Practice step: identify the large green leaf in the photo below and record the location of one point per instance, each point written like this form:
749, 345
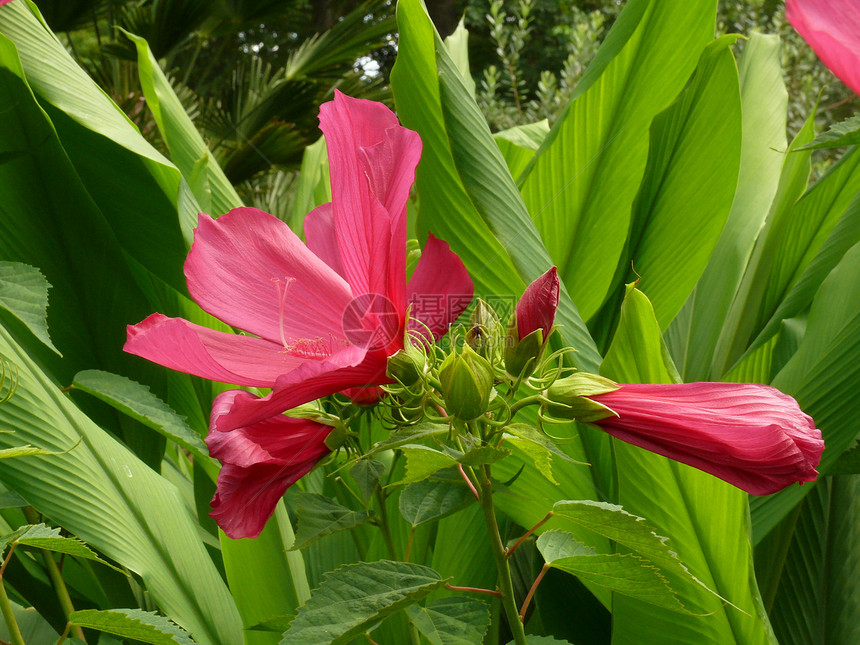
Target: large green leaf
689, 183
266, 578
810, 223
135, 187
823, 376
741, 321
704, 518
583, 181
818, 599
467, 196
452, 621
103, 494
693, 336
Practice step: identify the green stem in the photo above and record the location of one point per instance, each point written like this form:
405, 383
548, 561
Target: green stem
56, 579
9, 617
528, 400
383, 525
506, 586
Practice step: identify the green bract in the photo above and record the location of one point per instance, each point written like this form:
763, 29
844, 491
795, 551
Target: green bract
567, 397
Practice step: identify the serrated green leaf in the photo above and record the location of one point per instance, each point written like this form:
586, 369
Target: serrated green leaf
846, 133
44, 537
138, 402
24, 294
624, 573
319, 516
144, 626
355, 597
480, 455
531, 639
452, 621
537, 447
433, 499
421, 462
613, 522
366, 473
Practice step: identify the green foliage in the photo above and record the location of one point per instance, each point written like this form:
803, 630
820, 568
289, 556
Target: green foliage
451, 621
352, 599
24, 294
142, 626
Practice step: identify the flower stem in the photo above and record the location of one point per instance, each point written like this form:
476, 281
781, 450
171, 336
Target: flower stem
528, 400
528, 533
532, 591
383, 525
489, 592
506, 586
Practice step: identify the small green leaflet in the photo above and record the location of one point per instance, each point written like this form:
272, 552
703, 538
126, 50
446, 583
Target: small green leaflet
846, 133
537, 446
355, 597
24, 294
143, 626
366, 473
410, 434
40, 536
138, 402
319, 516
452, 621
624, 573
433, 499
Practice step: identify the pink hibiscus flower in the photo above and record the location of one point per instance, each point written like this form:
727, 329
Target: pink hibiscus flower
832, 29
752, 436
323, 317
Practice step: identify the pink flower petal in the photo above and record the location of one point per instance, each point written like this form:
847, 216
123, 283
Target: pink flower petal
752, 436
251, 271
353, 367
536, 308
321, 238
832, 29
217, 356
372, 160
259, 463
440, 289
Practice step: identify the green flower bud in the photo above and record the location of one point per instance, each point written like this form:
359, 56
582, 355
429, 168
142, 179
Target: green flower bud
407, 366
485, 332
568, 397
467, 382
